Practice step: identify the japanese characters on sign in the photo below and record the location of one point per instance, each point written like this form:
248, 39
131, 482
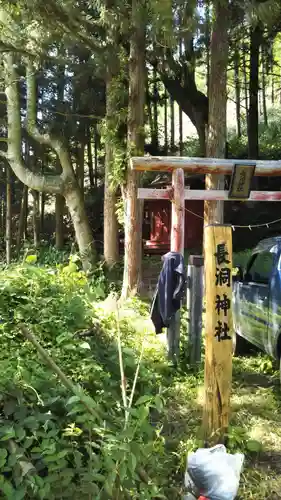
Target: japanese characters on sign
241, 179
223, 296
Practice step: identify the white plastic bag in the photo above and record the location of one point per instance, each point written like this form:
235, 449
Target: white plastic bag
214, 472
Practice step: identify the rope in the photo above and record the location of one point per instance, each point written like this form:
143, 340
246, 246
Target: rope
249, 226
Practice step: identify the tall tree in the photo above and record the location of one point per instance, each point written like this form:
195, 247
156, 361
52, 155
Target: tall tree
111, 240
65, 183
213, 417
8, 215
216, 140
172, 124
237, 89
253, 116
133, 225
59, 199
263, 69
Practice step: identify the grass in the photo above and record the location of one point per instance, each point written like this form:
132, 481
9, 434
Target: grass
256, 405
255, 417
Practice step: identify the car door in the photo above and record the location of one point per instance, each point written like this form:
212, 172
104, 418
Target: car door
254, 295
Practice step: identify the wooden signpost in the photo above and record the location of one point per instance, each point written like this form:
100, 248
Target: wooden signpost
217, 260
218, 331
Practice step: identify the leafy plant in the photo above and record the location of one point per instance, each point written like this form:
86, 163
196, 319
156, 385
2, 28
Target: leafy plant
51, 446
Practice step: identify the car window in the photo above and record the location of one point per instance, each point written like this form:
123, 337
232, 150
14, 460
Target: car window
261, 267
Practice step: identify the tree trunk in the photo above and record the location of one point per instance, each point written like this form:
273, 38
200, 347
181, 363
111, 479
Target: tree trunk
213, 210
25, 221
166, 123
180, 132
2, 200
180, 110
245, 81
60, 204
76, 206
172, 124
8, 216
272, 76
237, 90
22, 227
42, 213
133, 224
253, 120
22, 218
207, 35
214, 418
264, 89
80, 173
96, 141
111, 241
90, 157
155, 110
149, 113
36, 219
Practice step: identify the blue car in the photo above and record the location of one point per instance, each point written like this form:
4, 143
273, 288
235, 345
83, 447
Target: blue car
257, 299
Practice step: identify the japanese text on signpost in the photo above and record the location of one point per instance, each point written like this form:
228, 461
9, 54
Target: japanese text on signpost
218, 328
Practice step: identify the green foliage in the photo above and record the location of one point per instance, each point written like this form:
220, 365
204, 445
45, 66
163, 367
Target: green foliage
50, 446
191, 147
120, 211
238, 440
269, 139
114, 126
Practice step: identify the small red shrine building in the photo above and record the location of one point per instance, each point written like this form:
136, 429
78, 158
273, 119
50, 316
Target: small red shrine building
157, 226
157, 222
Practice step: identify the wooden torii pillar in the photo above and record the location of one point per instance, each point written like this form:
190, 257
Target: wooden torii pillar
218, 268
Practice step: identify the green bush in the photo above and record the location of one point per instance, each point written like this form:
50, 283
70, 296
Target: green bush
51, 446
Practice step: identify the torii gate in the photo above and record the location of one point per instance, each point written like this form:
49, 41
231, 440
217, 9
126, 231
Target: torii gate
217, 261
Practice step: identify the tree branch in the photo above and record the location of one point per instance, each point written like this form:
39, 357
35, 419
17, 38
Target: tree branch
193, 102
32, 129
39, 182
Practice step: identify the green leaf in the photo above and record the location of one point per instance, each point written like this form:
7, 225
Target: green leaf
9, 407
8, 490
3, 453
85, 345
254, 446
28, 442
3, 457
158, 403
31, 259
26, 467
132, 462
20, 493
98, 477
123, 471
20, 433
9, 433
73, 399
143, 399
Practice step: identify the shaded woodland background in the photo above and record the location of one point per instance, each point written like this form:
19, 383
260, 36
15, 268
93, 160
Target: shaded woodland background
111, 79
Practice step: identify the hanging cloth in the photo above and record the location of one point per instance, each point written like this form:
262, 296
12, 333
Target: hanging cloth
170, 291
